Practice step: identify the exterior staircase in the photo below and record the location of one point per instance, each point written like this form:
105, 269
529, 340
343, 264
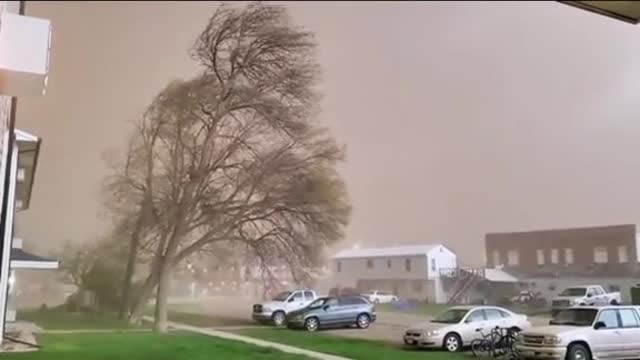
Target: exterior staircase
464, 280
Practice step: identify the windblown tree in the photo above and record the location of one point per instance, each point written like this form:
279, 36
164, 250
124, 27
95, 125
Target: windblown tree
234, 156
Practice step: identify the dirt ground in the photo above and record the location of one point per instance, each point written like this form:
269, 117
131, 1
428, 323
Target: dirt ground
389, 326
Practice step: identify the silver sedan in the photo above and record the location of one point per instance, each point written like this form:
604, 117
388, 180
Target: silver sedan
458, 326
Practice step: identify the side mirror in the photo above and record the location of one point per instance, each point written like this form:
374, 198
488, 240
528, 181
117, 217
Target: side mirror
551, 322
589, 295
599, 325
478, 330
291, 300
326, 307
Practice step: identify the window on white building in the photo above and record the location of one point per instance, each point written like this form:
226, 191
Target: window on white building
433, 265
600, 255
540, 256
389, 264
369, 264
513, 258
339, 266
623, 257
407, 264
555, 256
568, 256
496, 258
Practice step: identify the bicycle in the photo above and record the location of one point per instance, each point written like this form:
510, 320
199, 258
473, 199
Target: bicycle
486, 345
497, 344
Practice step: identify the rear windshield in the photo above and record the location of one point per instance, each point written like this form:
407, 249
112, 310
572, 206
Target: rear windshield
574, 292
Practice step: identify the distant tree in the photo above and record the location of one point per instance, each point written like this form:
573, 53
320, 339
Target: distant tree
234, 156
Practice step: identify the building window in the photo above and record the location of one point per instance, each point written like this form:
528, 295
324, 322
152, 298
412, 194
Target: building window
555, 256
623, 257
568, 256
600, 255
388, 264
540, 256
407, 264
433, 265
496, 258
513, 258
369, 264
339, 266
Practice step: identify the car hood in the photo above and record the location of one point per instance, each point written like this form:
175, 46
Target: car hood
556, 330
429, 326
272, 304
298, 312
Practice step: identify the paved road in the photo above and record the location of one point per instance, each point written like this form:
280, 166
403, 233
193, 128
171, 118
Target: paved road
389, 327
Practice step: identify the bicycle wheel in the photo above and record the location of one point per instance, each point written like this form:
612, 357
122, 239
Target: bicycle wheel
480, 347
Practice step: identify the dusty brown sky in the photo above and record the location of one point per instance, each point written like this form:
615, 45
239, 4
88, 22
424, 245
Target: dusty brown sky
461, 118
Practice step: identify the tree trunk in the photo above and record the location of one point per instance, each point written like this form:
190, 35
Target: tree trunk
125, 305
160, 324
137, 309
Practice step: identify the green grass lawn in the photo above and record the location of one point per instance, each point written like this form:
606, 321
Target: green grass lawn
146, 346
190, 314
347, 347
204, 320
59, 319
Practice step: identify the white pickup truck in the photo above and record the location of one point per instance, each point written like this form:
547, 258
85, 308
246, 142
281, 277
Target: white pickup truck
584, 295
585, 333
276, 310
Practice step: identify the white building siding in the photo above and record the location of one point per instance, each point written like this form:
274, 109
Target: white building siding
440, 258
349, 271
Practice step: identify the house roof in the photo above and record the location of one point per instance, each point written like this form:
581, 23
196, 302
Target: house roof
409, 250
21, 259
497, 275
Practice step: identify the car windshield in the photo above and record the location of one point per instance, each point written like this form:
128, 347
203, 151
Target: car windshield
282, 296
451, 316
574, 292
575, 317
318, 303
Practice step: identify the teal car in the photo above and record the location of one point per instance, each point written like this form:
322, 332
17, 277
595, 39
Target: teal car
333, 312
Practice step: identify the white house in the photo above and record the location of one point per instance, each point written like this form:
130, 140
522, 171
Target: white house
411, 272
25, 44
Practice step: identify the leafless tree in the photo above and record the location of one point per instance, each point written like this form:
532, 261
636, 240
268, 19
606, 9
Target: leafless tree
235, 156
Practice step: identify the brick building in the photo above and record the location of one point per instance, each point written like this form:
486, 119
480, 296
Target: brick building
594, 251
550, 260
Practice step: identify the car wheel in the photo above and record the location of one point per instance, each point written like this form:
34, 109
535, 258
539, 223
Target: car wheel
278, 318
579, 352
312, 324
363, 321
614, 302
452, 343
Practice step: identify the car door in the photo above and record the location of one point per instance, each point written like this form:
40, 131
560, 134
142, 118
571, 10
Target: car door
330, 312
629, 332
600, 296
474, 321
493, 319
295, 301
309, 297
607, 342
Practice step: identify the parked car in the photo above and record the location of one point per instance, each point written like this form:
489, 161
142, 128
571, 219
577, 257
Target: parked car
528, 298
587, 295
380, 297
326, 312
458, 326
276, 311
585, 333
